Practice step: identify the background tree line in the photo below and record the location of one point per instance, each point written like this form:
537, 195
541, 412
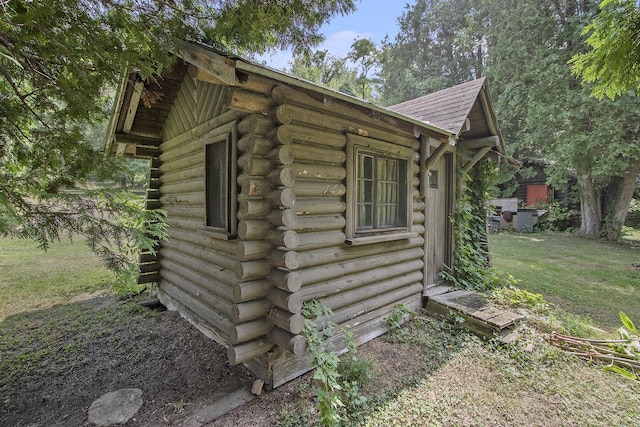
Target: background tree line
526, 49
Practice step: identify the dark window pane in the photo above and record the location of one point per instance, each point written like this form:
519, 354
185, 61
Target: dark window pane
217, 184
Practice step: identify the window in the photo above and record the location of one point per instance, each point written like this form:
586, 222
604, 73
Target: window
433, 179
220, 187
377, 189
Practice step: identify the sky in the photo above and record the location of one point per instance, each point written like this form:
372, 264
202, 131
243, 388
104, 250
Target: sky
372, 19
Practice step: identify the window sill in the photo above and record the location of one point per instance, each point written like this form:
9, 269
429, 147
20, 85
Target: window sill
217, 234
380, 238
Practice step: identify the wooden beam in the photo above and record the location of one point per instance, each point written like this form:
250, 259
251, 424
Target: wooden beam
435, 156
487, 141
217, 67
479, 155
127, 138
132, 108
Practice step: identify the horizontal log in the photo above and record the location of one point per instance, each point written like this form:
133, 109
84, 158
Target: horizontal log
283, 217
248, 291
205, 283
339, 267
219, 276
152, 277
286, 280
196, 144
220, 124
250, 310
319, 206
249, 270
190, 224
242, 353
282, 197
418, 228
296, 344
325, 256
281, 115
202, 239
195, 198
279, 95
350, 123
147, 257
253, 208
283, 238
185, 212
210, 316
252, 165
311, 223
302, 152
190, 160
282, 176
183, 187
320, 189
152, 204
322, 137
253, 229
221, 259
183, 175
310, 171
356, 295
290, 302
394, 276
245, 101
153, 194
253, 144
284, 259
148, 267
281, 135
281, 155
320, 239
197, 293
352, 311
255, 124
418, 206
254, 186
252, 250
417, 217
293, 323
244, 332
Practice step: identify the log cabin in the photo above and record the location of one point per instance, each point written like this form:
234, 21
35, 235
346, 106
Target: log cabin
279, 191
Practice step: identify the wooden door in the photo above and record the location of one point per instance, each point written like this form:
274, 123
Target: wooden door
439, 208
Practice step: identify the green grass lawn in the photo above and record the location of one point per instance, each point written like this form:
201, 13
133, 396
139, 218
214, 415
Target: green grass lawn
32, 279
585, 277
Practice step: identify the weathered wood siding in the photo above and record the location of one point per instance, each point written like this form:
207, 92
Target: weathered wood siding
248, 292
361, 284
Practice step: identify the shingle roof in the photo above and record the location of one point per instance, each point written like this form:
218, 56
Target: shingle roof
446, 109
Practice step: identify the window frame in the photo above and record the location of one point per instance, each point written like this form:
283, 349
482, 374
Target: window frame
230, 230
357, 145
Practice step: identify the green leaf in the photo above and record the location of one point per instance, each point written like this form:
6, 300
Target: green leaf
628, 323
621, 371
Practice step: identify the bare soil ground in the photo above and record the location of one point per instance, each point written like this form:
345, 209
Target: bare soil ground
55, 362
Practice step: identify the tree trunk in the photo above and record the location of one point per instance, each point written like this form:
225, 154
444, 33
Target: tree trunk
590, 206
619, 195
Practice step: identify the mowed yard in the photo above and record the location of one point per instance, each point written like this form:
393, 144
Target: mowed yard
428, 372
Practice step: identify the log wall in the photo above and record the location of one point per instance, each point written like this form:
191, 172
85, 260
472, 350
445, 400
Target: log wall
248, 292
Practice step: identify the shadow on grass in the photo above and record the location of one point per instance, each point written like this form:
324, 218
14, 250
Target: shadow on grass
55, 362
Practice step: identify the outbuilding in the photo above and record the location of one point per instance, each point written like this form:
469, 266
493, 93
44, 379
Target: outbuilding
279, 191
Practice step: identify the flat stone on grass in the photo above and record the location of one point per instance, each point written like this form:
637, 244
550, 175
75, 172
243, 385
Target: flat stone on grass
115, 407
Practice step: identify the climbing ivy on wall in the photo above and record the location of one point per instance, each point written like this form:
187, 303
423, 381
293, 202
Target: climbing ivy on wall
471, 269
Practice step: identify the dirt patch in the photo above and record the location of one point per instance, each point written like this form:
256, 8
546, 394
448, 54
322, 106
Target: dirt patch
54, 363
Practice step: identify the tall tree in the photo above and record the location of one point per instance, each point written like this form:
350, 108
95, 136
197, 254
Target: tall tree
367, 58
58, 57
546, 113
613, 60
440, 43
326, 69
